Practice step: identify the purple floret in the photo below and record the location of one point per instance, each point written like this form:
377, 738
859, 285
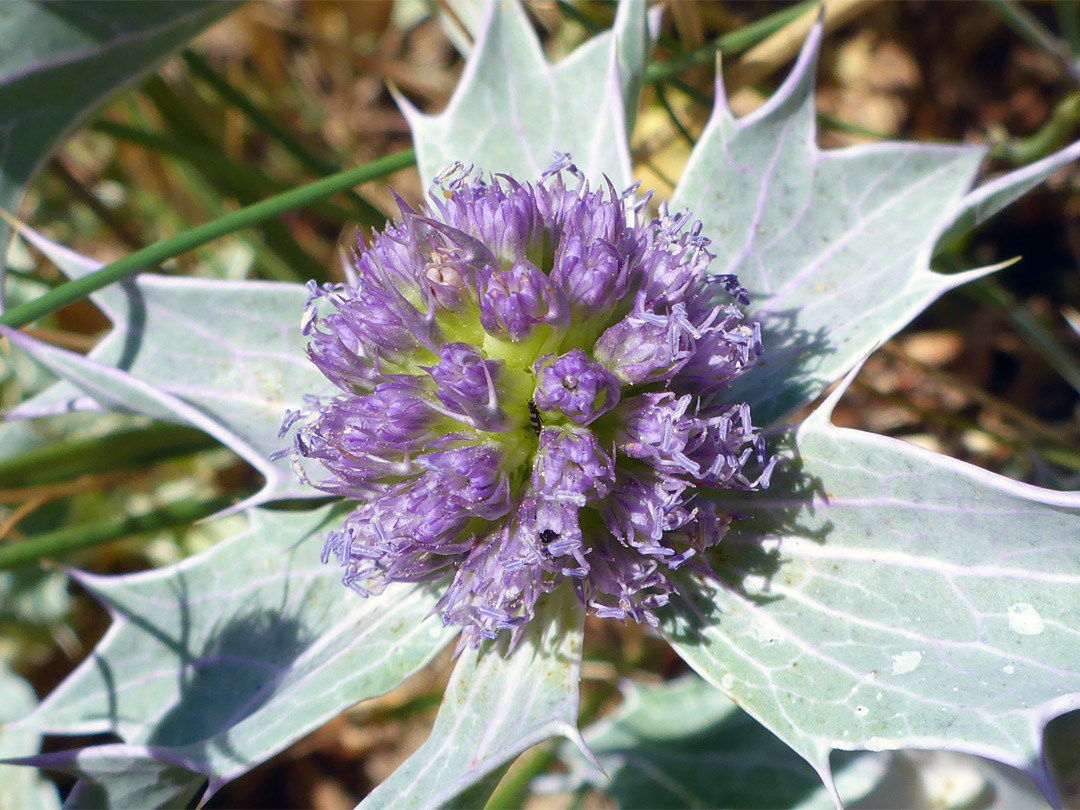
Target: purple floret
532, 384
575, 386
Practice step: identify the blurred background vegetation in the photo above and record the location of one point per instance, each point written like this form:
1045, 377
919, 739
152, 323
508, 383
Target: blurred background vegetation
279, 94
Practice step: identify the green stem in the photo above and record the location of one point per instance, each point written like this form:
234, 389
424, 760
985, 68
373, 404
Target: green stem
180, 119
369, 214
158, 252
206, 195
479, 795
728, 45
101, 454
513, 791
1059, 129
574, 13
74, 538
662, 98
213, 160
691, 92
826, 121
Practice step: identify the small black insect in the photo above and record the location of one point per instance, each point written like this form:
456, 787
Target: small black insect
535, 422
547, 535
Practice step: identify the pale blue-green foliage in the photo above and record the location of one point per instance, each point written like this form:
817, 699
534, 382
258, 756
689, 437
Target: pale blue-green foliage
60, 60
20, 787
834, 247
170, 335
878, 597
884, 597
114, 775
495, 707
513, 109
219, 662
684, 744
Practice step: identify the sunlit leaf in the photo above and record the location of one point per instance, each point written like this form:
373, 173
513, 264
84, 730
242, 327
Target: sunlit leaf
220, 661
884, 597
833, 246
513, 109
20, 787
684, 744
495, 707
225, 357
118, 776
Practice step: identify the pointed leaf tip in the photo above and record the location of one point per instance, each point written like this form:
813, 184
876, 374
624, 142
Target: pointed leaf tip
880, 597
300, 649
832, 246
225, 357
495, 707
508, 86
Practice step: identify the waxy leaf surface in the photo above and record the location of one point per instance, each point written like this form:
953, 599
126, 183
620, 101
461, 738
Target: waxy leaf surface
220, 661
884, 597
513, 109
683, 744
123, 776
223, 356
495, 707
833, 246
61, 60
879, 597
20, 787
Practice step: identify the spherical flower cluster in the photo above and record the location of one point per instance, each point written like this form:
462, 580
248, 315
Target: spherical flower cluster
530, 381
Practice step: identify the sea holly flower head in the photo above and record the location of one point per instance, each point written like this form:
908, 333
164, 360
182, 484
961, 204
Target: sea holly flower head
540, 388
531, 380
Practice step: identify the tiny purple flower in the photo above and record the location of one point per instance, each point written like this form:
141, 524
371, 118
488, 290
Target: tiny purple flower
465, 386
570, 466
575, 386
530, 382
514, 302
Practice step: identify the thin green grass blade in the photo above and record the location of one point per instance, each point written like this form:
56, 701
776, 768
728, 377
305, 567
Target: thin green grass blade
101, 454
728, 45
368, 213
196, 237
74, 538
181, 119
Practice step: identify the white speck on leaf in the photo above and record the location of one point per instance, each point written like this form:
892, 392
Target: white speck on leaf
1025, 620
906, 661
1008, 669
727, 681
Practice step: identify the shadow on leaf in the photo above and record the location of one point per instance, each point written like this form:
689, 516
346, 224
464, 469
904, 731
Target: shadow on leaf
785, 378
748, 560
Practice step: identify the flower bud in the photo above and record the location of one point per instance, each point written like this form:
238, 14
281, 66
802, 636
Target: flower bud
575, 386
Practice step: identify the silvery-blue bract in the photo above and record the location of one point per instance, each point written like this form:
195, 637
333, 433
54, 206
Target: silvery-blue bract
874, 598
